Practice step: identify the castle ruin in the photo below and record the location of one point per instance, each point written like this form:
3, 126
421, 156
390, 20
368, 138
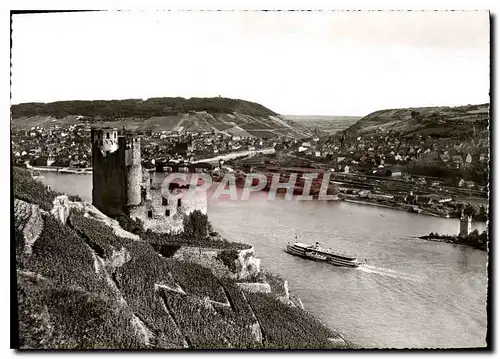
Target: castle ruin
164, 206
121, 187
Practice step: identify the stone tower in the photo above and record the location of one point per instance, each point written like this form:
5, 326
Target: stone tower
116, 171
465, 225
133, 169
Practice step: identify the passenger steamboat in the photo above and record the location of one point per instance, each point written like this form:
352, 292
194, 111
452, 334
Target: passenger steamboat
315, 252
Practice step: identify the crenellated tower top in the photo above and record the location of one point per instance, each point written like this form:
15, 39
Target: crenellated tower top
106, 139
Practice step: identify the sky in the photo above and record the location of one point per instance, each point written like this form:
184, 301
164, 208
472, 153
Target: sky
296, 63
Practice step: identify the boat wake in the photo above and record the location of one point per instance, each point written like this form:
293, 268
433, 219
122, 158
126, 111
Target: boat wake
389, 272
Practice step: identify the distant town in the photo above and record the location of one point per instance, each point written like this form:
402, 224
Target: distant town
377, 169
69, 147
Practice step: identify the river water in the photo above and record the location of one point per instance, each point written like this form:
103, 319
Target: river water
411, 294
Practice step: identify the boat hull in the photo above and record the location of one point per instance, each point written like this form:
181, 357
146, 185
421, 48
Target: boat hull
329, 260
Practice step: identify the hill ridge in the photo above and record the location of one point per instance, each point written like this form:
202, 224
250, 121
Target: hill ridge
155, 106
438, 121
240, 117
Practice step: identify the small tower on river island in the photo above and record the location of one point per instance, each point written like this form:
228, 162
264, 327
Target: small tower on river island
465, 224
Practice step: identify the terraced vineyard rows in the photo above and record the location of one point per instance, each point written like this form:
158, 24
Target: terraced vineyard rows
288, 327
99, 237
197, 280
61, 255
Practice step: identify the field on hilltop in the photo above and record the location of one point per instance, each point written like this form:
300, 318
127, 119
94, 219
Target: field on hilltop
242, 118
326, 124
443, 122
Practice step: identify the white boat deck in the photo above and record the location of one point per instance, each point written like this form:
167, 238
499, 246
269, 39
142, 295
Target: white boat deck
324, 250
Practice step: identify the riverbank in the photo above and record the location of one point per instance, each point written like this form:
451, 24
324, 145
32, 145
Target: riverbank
474, 240
72, 170
408, 208
396, 207
234, 155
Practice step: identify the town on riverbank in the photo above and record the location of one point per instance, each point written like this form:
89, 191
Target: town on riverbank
422, 175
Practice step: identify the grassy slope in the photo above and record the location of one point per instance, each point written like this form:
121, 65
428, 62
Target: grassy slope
262, 127
67, 300
53, 316
28, 190
434, 121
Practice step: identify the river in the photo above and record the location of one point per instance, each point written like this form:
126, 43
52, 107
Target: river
411, 294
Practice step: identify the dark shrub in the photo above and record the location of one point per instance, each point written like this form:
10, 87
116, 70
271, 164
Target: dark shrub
130, 225
228, 257
196, 226
166, 250
27, 189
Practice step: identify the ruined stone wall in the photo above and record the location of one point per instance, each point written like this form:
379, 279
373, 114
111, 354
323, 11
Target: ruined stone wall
109, 188
255, 287
166, 213
156, 216
247, 263
146, 186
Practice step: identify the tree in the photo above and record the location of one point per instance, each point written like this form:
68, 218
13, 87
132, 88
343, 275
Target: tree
196, 226
474, 233
468, 209
483, 212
